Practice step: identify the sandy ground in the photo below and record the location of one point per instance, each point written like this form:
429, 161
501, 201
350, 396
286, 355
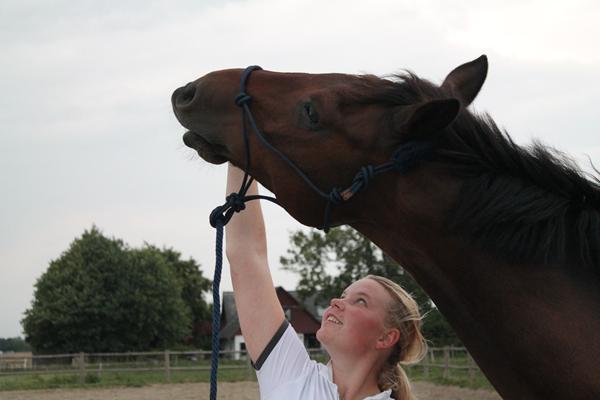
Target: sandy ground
226, 391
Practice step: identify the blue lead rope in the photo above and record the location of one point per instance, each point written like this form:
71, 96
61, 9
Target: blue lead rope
403, 159
216, 324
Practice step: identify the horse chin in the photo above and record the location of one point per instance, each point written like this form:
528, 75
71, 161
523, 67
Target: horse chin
302, 211
206, 150
212, 158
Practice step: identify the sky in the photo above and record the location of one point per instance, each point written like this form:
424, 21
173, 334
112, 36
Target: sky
87, 134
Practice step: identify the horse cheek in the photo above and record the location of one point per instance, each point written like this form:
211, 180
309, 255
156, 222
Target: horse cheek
303, 206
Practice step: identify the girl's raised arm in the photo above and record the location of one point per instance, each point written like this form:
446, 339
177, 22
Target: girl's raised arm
258, 308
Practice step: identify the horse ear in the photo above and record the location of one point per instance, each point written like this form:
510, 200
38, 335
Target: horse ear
422, 120
466, 80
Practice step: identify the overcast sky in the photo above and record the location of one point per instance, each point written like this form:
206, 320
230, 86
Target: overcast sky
88, 136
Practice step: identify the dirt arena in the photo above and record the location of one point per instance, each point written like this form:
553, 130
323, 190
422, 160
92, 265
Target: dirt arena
227, 391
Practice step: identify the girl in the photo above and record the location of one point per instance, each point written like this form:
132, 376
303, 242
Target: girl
372, 327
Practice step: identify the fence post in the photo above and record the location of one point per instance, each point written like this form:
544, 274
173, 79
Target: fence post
167, 366
446, 362
250, 376
81, 363
471, 369
427, 362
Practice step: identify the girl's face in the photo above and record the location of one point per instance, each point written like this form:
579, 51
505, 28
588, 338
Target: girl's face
355, 322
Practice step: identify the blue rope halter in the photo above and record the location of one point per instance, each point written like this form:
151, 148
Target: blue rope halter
403, 159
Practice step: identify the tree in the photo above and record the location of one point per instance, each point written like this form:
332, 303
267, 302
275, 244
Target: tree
102, 296
193, 286
328, 263
14, 344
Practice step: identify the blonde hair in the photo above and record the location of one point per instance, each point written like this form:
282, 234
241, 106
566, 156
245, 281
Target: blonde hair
403, 315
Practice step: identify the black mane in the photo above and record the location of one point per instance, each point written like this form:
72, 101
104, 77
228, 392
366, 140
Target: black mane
524, 205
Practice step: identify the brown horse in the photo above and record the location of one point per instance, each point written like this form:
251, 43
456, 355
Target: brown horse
505, 239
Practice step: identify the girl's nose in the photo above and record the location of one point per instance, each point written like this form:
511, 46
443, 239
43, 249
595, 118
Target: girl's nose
337, 303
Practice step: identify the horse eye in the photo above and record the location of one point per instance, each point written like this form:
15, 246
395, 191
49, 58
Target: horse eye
311, 113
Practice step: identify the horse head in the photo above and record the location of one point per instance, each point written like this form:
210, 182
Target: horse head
330, 125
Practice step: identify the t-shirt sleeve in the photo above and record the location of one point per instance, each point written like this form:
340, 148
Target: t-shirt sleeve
284, 359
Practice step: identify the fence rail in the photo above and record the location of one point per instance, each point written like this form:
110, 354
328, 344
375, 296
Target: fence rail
84, 364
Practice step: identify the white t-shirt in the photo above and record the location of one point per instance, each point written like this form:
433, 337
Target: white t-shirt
285, 372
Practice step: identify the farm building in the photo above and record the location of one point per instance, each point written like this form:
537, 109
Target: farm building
15, 360
305, 317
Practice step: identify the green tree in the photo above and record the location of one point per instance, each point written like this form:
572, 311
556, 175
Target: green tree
193, 286
102, 296
328, 263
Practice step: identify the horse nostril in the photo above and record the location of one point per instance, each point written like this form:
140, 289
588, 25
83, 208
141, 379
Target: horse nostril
186, 95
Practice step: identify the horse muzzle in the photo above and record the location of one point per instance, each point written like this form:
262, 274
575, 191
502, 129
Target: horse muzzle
194, 107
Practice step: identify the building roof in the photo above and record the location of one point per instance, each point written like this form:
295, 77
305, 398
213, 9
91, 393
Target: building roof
304, 316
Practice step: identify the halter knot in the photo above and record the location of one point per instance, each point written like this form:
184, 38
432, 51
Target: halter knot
335, 196
242, 98
216, 217
222, 214
236, 202
362, 178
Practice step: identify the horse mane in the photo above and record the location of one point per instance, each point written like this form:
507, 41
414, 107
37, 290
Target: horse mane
522, 204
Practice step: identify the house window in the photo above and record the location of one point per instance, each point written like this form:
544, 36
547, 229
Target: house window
241, 353
321, 311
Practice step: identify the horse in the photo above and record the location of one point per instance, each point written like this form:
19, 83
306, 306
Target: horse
505, 239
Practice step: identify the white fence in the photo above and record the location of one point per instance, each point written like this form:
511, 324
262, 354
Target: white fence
446, 359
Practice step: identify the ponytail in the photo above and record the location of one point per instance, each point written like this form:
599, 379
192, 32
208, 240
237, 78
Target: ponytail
393, 377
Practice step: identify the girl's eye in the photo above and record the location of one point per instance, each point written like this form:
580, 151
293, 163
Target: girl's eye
311, 113
360, 299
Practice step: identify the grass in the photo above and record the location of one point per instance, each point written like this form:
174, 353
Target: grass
108, 378
454, 377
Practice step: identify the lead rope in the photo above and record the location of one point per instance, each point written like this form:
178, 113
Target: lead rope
403, 159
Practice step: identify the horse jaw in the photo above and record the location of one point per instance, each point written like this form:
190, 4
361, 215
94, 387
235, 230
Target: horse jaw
305, 207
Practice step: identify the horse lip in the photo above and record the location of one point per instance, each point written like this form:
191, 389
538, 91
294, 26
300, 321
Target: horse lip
196, 140
208, 151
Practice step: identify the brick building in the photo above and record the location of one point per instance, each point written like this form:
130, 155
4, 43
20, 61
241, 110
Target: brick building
304, 316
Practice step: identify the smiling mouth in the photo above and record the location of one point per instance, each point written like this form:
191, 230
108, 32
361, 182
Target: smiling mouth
208, 151
334, 320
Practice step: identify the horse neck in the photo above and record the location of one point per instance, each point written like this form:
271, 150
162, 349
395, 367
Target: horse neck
512, 318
